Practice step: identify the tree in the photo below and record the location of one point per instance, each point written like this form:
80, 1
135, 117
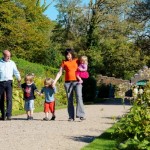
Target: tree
110, 31
102, 31
141, 15
25, 30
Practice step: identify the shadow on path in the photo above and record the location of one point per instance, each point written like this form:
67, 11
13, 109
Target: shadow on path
116, 101
86, 139
20, 119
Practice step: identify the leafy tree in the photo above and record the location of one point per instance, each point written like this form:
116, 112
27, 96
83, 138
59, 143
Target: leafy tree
109, 30
69, 12
25, 30
141, 15
120, 60
102, 31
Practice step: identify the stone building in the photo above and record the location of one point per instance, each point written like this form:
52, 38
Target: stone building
123, 88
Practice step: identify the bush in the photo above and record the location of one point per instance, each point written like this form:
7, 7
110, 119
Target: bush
103, 91
134, 129
38, 69
89, 89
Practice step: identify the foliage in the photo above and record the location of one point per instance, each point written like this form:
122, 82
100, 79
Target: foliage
95, 59
140, 16
54, 56
61, 95
121, 56
89, 89
97, 29
102, 31
25, 30
133, 130
113, 34
103, 91
38, 69
69, 12
104, 142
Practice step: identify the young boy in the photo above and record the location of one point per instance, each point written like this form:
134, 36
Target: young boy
28, 95
49, 105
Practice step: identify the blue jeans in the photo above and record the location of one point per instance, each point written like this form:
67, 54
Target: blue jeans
29, 105
6, 90
71, 87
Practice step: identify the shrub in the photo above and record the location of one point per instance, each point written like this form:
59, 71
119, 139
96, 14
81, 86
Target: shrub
89, 89
103, 91
134, 129
38, 69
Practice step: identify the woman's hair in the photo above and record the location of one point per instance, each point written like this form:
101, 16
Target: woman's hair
48, 82
29, 77
71, 51
85, 59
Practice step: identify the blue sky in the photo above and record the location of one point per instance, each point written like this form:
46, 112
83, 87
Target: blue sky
52, 13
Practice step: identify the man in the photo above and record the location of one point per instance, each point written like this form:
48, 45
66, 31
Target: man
7, 70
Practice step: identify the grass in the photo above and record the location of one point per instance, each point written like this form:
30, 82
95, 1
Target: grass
103, 142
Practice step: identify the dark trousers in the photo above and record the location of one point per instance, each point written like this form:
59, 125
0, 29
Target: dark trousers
6, 92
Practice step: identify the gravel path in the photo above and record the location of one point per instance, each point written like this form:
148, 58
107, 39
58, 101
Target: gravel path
21, 134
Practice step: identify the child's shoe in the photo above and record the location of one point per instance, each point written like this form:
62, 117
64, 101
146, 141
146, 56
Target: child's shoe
31, 118
28, 117
53, 117
45, 119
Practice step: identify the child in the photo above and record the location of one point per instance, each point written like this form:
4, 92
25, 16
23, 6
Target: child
82, 69
28, 95
49, 105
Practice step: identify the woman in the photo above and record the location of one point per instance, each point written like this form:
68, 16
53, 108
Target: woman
70, 65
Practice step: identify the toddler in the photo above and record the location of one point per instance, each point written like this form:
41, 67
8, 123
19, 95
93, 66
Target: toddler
28, 95
82, 69
49, 105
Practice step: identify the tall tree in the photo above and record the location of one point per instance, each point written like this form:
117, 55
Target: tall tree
69, 12
102, 31
25, 30
110, 30
141, 15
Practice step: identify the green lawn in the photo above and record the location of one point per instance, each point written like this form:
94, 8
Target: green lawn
103, 142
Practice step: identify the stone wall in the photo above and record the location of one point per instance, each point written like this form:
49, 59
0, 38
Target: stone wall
121, 86
107, 80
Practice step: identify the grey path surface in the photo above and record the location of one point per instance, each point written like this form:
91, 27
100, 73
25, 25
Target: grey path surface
21, 134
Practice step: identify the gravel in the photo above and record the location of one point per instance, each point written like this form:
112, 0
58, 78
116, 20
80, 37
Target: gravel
22, 134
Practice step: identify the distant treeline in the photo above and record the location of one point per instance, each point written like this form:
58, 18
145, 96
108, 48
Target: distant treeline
114, 35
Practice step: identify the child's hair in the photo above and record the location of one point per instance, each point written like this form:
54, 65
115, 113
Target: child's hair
29, 77
48, 82
85, 59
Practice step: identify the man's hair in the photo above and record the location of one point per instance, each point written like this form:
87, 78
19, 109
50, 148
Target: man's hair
71, 51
